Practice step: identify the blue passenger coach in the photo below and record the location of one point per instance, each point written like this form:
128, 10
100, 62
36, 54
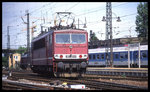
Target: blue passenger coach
97, 57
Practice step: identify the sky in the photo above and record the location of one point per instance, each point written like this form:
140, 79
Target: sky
14, 15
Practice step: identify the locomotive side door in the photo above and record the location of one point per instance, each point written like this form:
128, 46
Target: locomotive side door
47, 48
50, 49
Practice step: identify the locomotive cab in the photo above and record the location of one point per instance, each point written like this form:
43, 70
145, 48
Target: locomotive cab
70, 51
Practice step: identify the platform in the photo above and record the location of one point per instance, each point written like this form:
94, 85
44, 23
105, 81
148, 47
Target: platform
134, 72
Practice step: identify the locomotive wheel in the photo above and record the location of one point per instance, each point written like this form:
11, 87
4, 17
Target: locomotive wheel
56, 74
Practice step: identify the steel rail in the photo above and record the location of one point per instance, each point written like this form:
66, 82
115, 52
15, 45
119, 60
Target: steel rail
88, 76
90, 83
117, 85
26, 86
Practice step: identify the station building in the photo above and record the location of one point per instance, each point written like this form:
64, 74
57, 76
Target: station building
14, 60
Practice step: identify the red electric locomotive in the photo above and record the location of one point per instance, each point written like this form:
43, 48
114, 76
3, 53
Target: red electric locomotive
60, 52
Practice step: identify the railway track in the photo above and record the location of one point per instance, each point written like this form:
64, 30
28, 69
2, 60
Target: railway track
115, 77
114, 86
100, 85
90, 82
20, 86
88, 76
19, 82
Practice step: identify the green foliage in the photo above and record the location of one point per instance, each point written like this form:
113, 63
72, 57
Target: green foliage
4, 61
142, 20
94, 38
21, 50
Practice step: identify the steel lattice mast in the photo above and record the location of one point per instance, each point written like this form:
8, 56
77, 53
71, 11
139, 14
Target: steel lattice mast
108, 37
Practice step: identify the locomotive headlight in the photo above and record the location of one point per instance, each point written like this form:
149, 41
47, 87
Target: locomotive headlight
61, 56
80, 56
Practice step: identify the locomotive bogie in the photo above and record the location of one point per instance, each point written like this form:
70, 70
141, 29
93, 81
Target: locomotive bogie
72, 67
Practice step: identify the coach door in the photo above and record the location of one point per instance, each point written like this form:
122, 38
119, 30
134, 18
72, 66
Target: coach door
135, 57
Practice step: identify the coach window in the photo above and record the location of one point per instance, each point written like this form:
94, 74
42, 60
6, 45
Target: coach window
89, 56
116, 56
144, 55
102, 56
94, 56
98, 56
136, 54
126, 55
121, 55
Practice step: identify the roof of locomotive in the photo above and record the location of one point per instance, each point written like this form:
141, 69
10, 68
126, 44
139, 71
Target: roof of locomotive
71, 30
59, 31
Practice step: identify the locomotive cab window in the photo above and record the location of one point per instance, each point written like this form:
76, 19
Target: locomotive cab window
62, 38
78, 38
70, 38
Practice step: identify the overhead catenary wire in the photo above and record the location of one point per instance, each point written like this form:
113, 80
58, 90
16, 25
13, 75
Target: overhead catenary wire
128, 15
72, 6
68, 9
100, 9
45, 5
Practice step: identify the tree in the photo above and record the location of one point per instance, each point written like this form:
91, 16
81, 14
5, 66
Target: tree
94, 38
142, 20
4, 61
21, 50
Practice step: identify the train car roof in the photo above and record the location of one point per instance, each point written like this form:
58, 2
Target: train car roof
118, 49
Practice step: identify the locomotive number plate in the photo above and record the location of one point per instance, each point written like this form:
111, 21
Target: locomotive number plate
70, 56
